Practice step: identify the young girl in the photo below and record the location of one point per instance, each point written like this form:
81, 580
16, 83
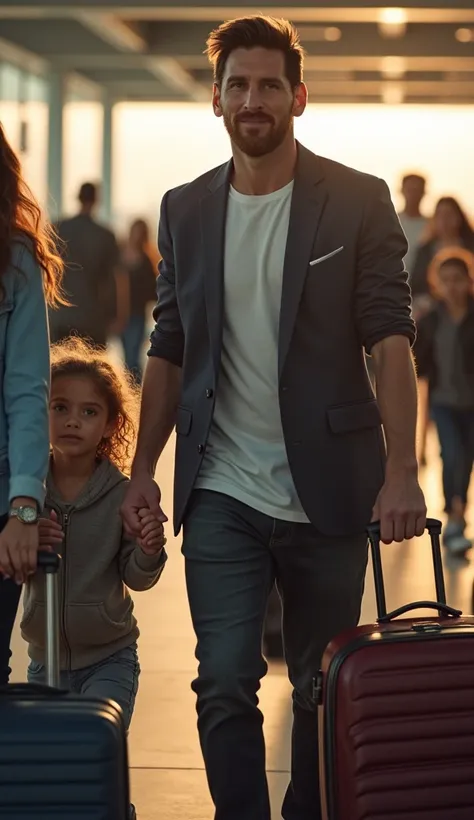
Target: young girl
92, 429
444, 354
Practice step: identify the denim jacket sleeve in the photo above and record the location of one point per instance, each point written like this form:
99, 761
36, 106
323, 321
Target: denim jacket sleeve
26, 380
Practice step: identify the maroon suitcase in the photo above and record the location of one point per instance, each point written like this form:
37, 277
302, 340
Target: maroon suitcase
397, 711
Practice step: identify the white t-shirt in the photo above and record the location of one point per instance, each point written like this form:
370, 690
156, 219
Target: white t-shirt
246, 455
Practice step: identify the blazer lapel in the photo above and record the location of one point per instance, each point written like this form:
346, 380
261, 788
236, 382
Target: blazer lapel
213, 210
307, 206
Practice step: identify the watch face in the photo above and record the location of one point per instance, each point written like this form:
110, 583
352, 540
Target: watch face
27, 514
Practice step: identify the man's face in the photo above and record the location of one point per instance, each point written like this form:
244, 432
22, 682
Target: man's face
256, 100
413, 191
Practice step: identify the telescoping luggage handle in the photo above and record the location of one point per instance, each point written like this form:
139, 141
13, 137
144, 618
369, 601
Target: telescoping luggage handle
434, 528
49, 563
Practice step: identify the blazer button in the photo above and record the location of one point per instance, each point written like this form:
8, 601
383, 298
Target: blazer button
200, 448
209, 393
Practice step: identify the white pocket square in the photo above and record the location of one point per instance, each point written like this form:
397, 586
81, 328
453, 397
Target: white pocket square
327, 256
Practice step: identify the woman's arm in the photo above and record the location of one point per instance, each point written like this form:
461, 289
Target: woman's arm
25, 396
26, 384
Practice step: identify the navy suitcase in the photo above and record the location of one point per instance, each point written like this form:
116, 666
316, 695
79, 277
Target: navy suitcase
62, 756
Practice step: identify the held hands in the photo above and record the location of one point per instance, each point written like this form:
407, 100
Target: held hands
152, 537
400, 507
143, 493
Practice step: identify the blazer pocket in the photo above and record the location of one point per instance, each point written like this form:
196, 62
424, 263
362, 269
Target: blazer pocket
326, 256
184, 420
347, 418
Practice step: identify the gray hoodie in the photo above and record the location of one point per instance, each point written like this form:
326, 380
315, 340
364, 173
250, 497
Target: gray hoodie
99, 562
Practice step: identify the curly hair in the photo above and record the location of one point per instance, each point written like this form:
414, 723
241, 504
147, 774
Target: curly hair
78, 357
20, 220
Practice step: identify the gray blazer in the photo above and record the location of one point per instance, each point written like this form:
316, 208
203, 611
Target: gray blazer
331, 312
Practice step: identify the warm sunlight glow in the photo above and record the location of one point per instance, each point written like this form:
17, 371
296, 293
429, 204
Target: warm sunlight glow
465, 35
393, 17
393, 93
392, 22
332, 34
393, 68
159, 146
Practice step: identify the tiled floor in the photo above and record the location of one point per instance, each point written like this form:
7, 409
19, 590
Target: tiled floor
168, 780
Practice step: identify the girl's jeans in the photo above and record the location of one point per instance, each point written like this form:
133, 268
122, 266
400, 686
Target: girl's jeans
116, 677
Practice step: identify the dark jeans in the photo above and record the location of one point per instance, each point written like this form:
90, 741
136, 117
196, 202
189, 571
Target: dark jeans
233, 554
9, 599
456, 436
132, 339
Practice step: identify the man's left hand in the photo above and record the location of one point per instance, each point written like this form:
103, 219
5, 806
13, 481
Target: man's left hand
400, 507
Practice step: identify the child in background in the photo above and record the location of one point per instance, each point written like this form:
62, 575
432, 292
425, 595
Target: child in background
444, 353
93, 410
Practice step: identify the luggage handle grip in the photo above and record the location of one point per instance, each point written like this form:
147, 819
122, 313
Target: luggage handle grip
48, 561
434, 528
443, 609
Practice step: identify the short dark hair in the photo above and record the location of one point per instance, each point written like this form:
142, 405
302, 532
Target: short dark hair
253, 32
88, 193
413, 178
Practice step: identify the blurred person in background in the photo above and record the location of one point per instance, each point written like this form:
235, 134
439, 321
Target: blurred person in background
449, 228
142, 289
444, 353
411, 219
94, 283
30, 277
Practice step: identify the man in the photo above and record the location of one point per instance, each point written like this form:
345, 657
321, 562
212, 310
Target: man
278, 269
411, 219
94, 284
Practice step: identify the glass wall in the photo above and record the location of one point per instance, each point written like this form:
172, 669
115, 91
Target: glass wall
82, 153
159, 146
24, 116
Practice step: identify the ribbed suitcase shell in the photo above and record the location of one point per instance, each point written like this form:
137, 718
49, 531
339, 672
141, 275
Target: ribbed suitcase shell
62, 757
397, 722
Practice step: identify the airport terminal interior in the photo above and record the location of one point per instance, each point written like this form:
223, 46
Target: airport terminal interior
118, 93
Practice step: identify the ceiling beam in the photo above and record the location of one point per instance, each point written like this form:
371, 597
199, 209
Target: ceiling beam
84, 88
178, 78
22, 58
412, 88
113, 30
199, 62
334, 92
349, 11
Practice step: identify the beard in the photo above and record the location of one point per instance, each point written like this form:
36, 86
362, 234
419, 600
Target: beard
257, 142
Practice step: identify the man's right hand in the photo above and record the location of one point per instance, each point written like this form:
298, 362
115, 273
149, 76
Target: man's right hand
142, 492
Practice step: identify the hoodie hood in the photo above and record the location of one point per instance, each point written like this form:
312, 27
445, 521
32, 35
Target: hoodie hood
105, 477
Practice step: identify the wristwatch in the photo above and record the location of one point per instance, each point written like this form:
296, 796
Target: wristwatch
27, 515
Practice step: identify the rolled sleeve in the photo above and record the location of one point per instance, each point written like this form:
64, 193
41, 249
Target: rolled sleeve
167, 338
383, 297
26, 383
